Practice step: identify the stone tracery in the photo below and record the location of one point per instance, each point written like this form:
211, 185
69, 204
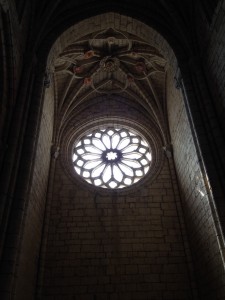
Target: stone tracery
112, 158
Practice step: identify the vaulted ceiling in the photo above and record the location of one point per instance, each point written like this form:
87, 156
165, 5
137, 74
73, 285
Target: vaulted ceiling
110, 62
112, 56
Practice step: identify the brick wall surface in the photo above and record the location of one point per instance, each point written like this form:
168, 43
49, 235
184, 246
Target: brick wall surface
114, 246
28, 262
208, 262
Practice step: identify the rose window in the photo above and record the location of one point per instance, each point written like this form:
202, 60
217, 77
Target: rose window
112, 158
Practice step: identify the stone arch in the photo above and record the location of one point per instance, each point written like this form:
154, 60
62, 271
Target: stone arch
76, 31
159, 42
43, 49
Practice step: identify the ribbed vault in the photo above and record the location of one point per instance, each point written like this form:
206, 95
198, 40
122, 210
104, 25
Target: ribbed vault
74, 67
120, 58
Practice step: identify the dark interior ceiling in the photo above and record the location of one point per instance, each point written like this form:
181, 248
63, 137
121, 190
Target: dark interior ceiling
112, 61
173, 19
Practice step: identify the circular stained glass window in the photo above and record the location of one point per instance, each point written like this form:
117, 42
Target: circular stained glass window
112, 158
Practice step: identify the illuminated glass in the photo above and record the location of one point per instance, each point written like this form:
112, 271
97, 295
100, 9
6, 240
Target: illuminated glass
111, 158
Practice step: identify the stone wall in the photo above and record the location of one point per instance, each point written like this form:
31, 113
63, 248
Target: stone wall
211, 34
115, 245
30, 245
197, 204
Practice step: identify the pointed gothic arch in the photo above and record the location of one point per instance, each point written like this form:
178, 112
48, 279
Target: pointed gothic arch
40, 112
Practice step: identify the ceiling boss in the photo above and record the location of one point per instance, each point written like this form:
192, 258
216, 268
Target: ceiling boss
112, 61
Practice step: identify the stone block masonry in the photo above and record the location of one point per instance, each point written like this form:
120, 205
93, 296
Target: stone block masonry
115, 246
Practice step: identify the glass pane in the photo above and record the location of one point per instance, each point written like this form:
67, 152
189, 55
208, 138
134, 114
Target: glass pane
110, 132
98, 144
144, 162
98, 182
86, 174
107, 174
80, 163
113, 184
87, 141
111, 155
98, 170
142, 150
135, 140
146, 169
149, 156
123, 143
93, 150
132, 163
118, 175
98, 135
80, 151
77, 170
78, 144
127, 181
74, 157
115, 140
106, 141
91, 156
132, 155
130, 148
121, 186
126, 170
92, 164
139, 173
123, 134
144, 143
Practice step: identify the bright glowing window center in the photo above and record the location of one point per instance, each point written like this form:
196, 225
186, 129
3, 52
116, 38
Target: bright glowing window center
112, 158
111, 155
